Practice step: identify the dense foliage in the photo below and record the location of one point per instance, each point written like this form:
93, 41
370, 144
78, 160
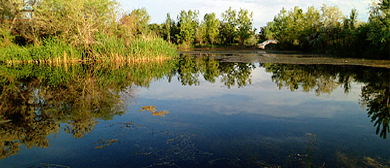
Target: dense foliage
328, 31
76, 30
73, 30
234, 28
321, 30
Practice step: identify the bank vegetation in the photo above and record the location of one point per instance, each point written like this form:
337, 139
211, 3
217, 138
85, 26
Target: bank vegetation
96, 30
76, 30
323, 29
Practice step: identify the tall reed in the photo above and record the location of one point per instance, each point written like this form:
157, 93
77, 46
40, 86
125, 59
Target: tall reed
105, 48
112, 48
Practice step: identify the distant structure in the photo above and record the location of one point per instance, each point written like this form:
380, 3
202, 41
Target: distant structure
263, 44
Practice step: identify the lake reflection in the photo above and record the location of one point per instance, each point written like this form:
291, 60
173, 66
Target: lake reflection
194, 112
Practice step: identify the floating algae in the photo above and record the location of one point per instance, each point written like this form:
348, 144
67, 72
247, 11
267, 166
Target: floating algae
148, 108
160, 113
154, 111
105, 143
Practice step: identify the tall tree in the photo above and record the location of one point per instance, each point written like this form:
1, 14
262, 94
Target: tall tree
287, 27
350, 23
228, 26
168, 22
201, 33
379, 21
277, 28
331, 16
244, 23
211, 27
312, 23
141, 17
74, 21
135, 23
188, 22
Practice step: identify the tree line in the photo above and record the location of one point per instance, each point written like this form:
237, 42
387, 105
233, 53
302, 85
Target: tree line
324, 30
235, 27
327, 30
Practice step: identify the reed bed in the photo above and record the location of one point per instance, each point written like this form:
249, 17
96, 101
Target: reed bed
104, 49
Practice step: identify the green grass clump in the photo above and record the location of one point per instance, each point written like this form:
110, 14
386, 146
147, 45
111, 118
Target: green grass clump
50, 50
151, 48
114, 49
14, 53
54, 50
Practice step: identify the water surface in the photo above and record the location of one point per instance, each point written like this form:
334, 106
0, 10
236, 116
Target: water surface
195, 112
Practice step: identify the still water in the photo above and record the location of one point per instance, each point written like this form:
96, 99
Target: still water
194, 112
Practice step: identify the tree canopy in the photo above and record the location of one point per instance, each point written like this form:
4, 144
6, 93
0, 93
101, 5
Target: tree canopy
327, 30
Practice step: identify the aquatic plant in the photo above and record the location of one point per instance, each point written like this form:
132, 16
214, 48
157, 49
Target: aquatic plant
106, 49
309, 149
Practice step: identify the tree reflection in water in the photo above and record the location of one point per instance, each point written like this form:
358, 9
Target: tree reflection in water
318, 78
189, 68
36, 99
375, 94
375, 97
321, 78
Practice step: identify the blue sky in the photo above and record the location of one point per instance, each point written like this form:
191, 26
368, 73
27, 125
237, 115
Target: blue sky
263, 10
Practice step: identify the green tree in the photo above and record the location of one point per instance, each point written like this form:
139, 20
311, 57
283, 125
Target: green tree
201, 33
244, 25
135, 23
157, 29
212, 27
287, 27
168, 25
296, 24
228, 26
311, 24
331, 16
74, 21
142, 18
188, 23
351, 22
379, 21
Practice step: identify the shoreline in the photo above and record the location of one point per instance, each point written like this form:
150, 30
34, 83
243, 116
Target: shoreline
284, 57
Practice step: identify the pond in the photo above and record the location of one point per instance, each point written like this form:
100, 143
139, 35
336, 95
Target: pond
221, 110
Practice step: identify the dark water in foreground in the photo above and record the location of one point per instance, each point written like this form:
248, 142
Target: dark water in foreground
194, 113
